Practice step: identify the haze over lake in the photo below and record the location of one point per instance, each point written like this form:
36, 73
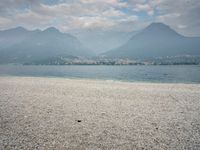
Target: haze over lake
162, 73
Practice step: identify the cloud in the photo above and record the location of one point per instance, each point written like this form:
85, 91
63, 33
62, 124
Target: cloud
182, 15
79, 14
4, 21
91, 22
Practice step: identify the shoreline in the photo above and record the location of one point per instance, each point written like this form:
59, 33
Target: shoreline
100, 79
63, 113
156, 74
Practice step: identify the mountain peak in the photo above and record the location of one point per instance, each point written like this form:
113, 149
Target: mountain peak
18, 29
51, 29
159, 29
158, 25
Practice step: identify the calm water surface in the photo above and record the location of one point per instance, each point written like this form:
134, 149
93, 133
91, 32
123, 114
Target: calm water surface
166, 74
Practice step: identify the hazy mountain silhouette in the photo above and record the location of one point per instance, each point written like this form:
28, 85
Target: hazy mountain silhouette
21, 45
100, 40
157, 40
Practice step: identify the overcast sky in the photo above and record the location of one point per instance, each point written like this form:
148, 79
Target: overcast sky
120, 15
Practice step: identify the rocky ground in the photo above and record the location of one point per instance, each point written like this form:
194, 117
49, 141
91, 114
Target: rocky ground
58, 113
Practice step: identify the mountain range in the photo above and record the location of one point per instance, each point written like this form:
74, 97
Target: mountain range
19, 45
157, 40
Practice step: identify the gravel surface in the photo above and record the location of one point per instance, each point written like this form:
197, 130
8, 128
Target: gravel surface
58, 113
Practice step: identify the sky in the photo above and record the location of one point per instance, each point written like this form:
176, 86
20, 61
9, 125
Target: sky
117, 15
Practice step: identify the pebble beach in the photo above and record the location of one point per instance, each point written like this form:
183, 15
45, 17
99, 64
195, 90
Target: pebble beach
82, 114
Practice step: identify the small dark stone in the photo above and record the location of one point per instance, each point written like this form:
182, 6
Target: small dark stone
78, 120
156, 128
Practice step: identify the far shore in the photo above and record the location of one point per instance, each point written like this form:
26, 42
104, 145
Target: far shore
60, 113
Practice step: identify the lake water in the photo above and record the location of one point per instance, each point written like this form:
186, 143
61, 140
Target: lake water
165, 74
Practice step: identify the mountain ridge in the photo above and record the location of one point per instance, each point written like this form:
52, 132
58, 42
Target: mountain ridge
18, 47
156, 40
